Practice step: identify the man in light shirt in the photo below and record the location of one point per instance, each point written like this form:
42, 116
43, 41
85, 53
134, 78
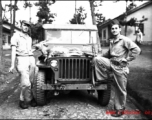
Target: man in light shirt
21, 44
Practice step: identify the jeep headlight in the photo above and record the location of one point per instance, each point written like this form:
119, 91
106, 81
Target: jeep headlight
54, 63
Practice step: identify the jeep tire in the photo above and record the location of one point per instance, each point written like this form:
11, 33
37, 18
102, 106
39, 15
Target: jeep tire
40, 95
104, 95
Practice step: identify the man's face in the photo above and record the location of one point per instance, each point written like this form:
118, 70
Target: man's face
115, 30
25, 27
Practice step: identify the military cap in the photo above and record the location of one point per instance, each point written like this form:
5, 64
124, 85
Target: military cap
115, 22
26, 22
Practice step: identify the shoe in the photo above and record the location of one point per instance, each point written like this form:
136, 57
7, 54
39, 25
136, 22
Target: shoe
33, 103
23, 104
118, 113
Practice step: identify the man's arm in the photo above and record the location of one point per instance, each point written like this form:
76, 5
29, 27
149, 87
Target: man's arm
133, 48
13, 57
13, 52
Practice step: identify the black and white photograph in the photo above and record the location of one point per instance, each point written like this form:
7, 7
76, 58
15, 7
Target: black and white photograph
76, 59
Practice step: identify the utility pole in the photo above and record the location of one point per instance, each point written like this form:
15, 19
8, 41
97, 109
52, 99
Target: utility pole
1, 38
126, 17
30, 14
92, 11
76, 11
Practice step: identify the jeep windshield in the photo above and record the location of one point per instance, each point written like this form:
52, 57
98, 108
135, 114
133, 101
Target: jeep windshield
70, 37
70, 34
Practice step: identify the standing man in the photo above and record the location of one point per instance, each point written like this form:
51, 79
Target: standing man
122, 50
21, 44
139, 36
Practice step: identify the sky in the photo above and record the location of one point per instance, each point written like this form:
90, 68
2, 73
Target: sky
66, 9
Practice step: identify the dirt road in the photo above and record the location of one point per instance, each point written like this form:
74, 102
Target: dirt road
75, 105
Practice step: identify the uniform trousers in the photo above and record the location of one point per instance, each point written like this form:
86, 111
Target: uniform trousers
26, 68
103, 66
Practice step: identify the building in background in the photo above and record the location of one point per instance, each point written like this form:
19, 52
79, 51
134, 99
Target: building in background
141, 12
7, 34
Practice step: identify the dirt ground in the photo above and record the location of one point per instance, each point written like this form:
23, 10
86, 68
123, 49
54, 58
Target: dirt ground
140, 78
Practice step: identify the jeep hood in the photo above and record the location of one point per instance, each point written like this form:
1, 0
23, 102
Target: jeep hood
70, 50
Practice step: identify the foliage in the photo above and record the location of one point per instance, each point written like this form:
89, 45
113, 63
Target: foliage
99, 18
36, 30
79, 16
27, 4
131, 6
13, 7
131, 22
94, 4
44, 14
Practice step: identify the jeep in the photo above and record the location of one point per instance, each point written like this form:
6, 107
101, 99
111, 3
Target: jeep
67, 62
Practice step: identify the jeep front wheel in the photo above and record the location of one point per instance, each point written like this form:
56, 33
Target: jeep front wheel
40, 95
104, 95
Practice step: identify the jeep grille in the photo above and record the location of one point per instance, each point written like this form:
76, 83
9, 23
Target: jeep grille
74, 68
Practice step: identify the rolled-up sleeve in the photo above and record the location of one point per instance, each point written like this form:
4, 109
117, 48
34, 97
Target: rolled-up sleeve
14, 40
133, 48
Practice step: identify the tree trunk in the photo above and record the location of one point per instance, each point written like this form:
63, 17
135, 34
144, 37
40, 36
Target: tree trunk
14, 16
1, 37
92, 12
126, 18
30, 14
76, 11
11, 19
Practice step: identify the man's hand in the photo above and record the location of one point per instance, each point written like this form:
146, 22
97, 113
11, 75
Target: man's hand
11, 69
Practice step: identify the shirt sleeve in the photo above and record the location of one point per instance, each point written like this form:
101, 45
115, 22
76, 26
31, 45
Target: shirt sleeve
14, 39
133, 48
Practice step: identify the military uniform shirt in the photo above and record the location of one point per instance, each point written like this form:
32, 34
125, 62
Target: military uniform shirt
122, 48
23, 44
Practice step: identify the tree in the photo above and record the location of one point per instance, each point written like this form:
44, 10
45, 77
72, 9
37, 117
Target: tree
92, 11
26, 5
131, 6
36, 31
79, 16
13, 8
99, 18
1, 37
44, 14
95, 16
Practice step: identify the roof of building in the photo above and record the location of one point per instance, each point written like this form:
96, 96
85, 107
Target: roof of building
129, 12
9, 24
139, 7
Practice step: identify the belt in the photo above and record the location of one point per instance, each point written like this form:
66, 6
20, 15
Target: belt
115, 63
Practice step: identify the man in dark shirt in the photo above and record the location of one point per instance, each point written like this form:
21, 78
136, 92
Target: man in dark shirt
122, 50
